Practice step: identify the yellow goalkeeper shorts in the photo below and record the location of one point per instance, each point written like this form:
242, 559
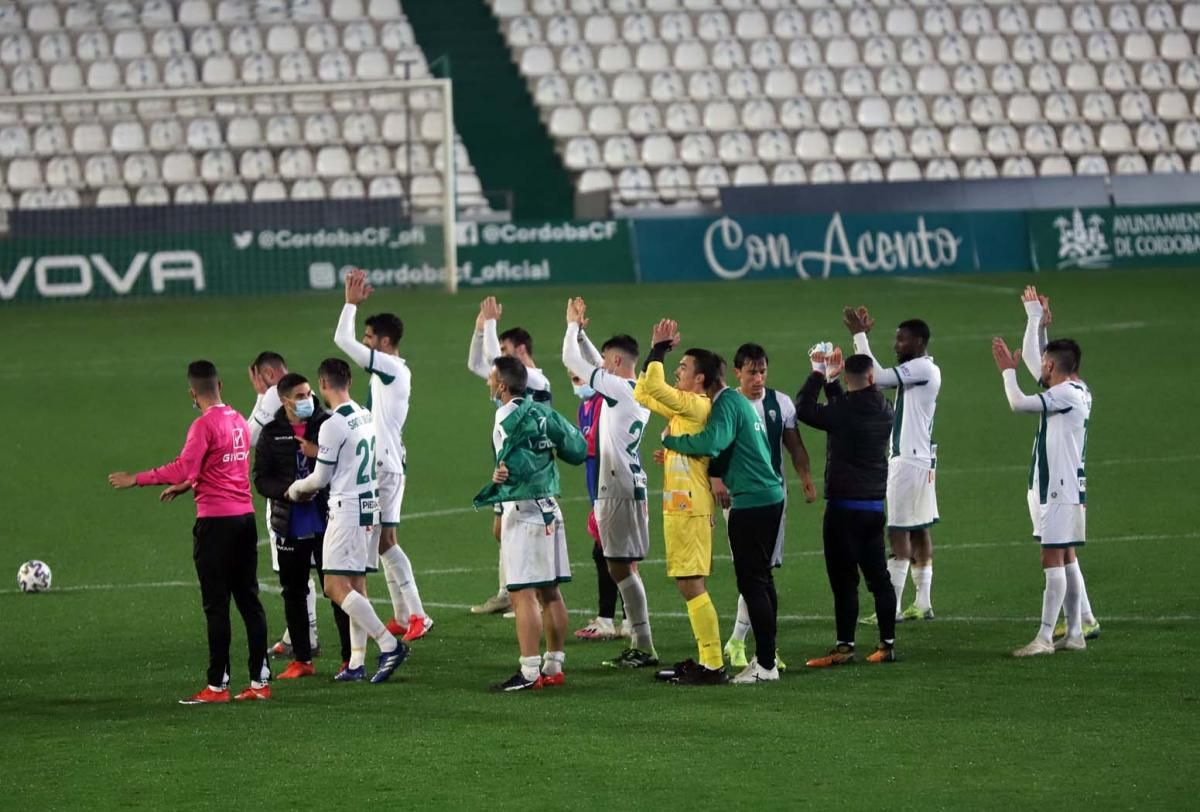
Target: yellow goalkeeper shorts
688, 540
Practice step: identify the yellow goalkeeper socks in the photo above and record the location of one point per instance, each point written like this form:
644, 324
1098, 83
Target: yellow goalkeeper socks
707, 630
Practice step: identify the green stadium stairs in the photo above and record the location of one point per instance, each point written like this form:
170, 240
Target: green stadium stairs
493, 111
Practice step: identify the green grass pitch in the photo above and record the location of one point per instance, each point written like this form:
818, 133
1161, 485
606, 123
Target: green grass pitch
93, 669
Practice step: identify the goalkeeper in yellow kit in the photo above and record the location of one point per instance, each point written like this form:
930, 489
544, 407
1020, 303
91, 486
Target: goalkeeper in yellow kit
687, 498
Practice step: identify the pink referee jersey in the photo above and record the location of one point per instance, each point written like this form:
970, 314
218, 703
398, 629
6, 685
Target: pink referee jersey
216, 458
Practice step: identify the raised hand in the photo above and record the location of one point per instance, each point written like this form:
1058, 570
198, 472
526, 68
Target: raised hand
256, 381
490, 309
1047, 317
357, 289
834, 364
1005, 359
850, 319
581, 312
665, 330
864, 319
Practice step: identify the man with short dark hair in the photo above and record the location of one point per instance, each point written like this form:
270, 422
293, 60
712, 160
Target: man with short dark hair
778, 413
486, 346
737, 441
346, 463
286, 452
622, 513
390, 387
215, 464
858, 422
1038, 319
527, 437
687, 500
912, 456
1058, 481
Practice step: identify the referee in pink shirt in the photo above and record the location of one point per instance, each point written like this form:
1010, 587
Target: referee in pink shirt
215, 462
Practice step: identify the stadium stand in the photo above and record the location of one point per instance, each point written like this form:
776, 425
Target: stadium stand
222, 148
665, 101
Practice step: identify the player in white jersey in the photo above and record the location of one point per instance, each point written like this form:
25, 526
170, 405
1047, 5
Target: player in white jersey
1038, 318
486, 346
912, 456
390, 387
265, 373
778, 414
622, 514
1057, 480
346, 463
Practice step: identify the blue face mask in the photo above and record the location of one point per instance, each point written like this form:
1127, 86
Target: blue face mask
304, 408
584, 392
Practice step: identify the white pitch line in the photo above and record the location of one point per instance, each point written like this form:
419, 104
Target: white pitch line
444, 512
788, 618
947, 283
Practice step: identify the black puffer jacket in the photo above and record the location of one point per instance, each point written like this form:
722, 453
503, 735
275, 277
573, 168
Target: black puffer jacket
275, 465
859, 425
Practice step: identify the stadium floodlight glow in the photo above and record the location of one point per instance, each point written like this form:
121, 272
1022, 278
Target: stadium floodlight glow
45, 103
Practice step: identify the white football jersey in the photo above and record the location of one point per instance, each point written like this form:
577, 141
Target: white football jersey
391, 385
389, 390
619, 438
485, 348
1056, 472
917, 384
347, 442
265, 407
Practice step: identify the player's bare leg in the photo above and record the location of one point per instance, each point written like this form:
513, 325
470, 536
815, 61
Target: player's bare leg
500, 602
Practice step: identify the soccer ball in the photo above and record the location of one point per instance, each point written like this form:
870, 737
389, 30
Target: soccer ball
34, 576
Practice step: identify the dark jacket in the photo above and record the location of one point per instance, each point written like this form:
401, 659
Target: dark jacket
859, 425
275, 465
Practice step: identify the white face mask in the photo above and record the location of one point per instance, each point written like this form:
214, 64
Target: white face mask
584, 392
304, 408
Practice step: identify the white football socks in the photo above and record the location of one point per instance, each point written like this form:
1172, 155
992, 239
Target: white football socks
402, 587
360, 610
898, 569
1071, 603
552, 662
287, 636
922, 578
531, 667
311, 602
633, 595
1085, 606
1052, 602
358, 645
741, 626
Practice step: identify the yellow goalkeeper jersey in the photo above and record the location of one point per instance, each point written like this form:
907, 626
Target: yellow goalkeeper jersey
685, 479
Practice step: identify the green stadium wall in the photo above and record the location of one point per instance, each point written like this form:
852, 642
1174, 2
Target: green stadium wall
716, 248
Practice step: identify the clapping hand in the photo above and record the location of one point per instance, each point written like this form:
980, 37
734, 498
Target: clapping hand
857, 320
665, 330
1004, 358
357, 288
834, 364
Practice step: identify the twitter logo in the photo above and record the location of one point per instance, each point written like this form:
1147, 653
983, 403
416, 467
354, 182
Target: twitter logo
243, 239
